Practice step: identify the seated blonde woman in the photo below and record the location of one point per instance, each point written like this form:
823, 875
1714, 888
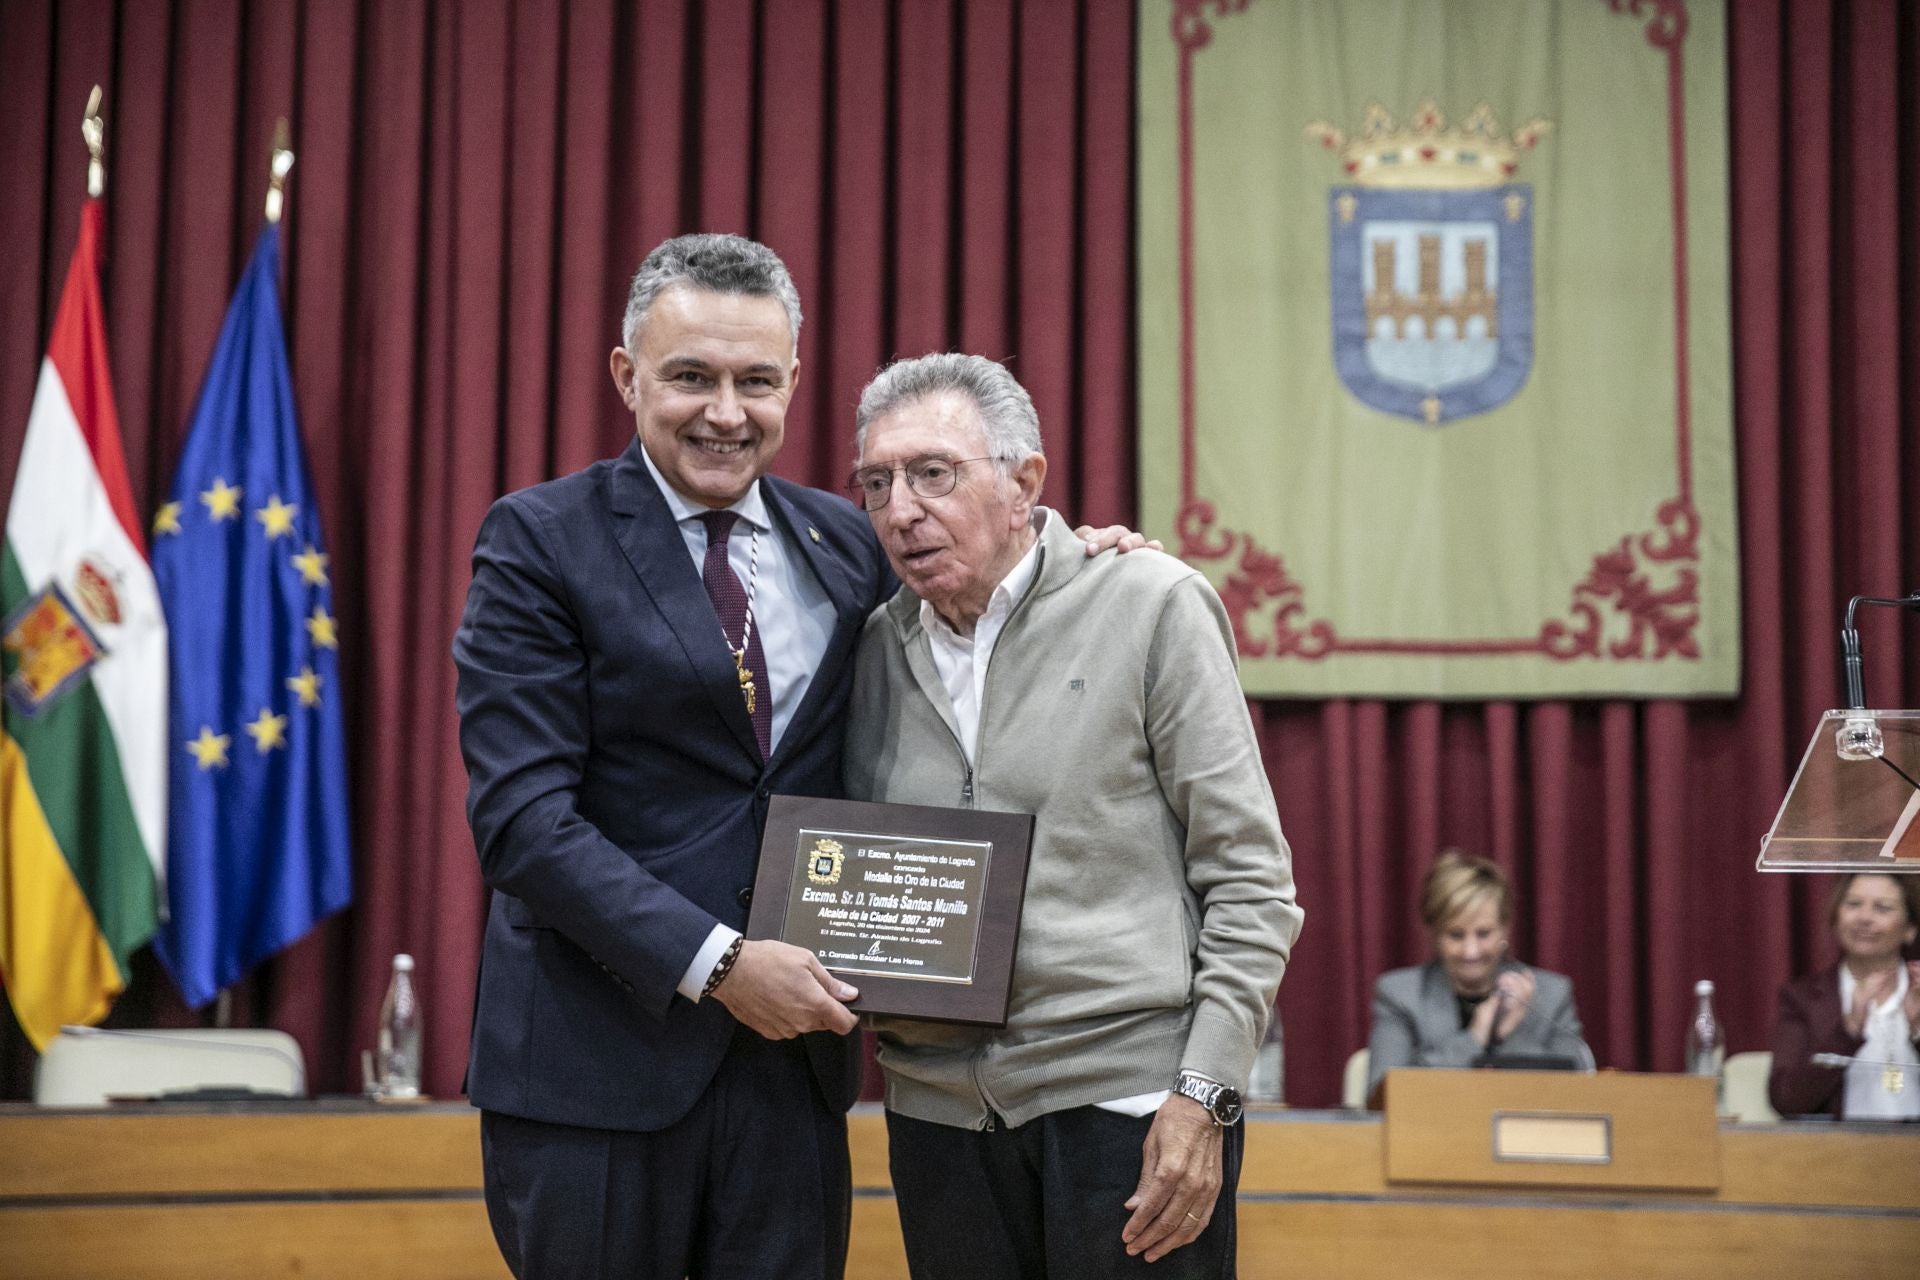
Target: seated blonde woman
1472, 1001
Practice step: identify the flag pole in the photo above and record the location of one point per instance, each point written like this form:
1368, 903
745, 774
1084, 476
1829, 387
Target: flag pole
282, 162
94, 130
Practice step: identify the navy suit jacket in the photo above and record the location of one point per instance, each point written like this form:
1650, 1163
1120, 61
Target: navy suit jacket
617, 794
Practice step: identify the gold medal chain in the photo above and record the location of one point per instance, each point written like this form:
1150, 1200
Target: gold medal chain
747, 690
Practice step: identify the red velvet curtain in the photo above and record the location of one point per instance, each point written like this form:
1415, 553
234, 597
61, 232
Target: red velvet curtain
476, 181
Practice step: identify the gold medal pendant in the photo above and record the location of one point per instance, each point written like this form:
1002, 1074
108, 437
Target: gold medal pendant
746, 679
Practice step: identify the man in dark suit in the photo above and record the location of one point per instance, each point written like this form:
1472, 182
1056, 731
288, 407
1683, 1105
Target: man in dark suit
661, 1098
651, 649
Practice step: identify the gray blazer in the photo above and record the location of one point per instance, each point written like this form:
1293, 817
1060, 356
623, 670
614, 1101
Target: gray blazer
1416, 1022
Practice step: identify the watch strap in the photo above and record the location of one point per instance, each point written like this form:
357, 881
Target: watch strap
1202, 1089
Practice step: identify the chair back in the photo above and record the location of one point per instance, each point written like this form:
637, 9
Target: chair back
87, 1066
1743, 1088
1353, 1081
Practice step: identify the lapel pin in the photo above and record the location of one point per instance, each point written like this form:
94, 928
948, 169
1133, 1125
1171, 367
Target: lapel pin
813, 533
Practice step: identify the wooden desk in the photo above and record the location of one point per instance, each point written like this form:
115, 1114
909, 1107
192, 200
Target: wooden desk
350, 1190
309, 1189
1803, 1200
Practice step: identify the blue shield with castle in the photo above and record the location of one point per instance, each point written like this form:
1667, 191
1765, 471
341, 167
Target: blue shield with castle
1431, 263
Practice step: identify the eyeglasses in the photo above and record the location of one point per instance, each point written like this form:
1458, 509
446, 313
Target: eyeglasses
928, 477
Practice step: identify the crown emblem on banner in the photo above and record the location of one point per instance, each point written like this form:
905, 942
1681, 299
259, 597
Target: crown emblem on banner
1425, 152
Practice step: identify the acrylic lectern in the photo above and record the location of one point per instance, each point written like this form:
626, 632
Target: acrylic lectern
1854, 804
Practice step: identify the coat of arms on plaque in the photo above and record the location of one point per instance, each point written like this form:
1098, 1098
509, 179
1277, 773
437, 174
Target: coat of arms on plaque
823, 863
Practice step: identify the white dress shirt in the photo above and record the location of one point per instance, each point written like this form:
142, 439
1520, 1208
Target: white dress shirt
1888, 1039
792, 615
962, 660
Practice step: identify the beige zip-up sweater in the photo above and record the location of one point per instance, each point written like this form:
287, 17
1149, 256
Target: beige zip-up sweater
1160, 905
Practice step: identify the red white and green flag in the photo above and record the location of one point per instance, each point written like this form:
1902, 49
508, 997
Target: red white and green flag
83, 755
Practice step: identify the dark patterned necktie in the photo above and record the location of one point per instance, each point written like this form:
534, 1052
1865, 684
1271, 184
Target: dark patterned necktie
730, 602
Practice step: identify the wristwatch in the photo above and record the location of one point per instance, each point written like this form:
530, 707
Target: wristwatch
1221, 1102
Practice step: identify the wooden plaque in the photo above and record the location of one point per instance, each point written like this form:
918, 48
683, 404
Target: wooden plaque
918, 907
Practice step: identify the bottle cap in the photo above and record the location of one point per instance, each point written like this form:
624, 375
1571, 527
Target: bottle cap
1704, 987
404, 963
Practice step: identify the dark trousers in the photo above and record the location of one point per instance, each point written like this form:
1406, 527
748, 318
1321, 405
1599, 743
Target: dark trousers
1042, 1201
754, 1182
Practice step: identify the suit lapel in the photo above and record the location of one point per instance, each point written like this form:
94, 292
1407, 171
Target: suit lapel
658, 553
1438, 1001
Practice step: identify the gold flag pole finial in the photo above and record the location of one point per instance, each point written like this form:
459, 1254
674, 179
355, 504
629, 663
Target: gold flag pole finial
282, 162
94, 130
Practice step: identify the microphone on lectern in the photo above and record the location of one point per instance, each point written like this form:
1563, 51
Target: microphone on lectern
1848, 1060
1859, 738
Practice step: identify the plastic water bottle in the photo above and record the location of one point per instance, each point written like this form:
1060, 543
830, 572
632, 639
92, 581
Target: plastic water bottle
1266, 1082
1706, 1042
399, 1054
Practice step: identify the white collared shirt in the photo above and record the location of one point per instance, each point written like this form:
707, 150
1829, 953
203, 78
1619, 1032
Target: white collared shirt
792, 615
1888, 1039
962, 660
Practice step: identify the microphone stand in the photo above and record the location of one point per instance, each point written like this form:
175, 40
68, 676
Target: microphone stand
1847, 1060
1859, 738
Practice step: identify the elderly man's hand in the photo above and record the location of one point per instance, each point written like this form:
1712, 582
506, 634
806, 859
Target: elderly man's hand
1180, 1175
1115, 535
781, 991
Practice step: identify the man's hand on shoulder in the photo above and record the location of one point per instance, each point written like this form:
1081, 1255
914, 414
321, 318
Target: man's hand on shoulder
781, 991
1115, 535
1180, 1177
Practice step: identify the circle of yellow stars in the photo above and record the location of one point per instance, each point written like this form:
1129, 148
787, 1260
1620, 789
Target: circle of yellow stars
268, 730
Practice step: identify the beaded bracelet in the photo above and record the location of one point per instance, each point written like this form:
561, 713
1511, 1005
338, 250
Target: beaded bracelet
722, 967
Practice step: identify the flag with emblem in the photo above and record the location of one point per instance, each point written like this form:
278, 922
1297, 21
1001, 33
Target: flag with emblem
258, 850
83, 758
1436, 380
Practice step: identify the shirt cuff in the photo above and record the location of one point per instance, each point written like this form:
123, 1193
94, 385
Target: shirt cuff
694, 980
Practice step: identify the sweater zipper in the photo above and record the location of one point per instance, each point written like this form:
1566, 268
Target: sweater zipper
966, 792
966, 799
979, 737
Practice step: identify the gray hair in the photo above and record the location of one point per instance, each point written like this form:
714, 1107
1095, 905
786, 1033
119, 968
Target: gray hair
717, 263
1013, 426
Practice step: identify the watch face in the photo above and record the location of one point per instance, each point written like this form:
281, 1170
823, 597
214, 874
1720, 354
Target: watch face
1226, 1108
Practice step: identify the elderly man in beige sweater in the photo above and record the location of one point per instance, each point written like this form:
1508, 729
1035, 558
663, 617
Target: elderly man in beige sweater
1099, 1130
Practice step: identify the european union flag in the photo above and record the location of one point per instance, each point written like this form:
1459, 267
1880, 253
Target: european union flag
257, 839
